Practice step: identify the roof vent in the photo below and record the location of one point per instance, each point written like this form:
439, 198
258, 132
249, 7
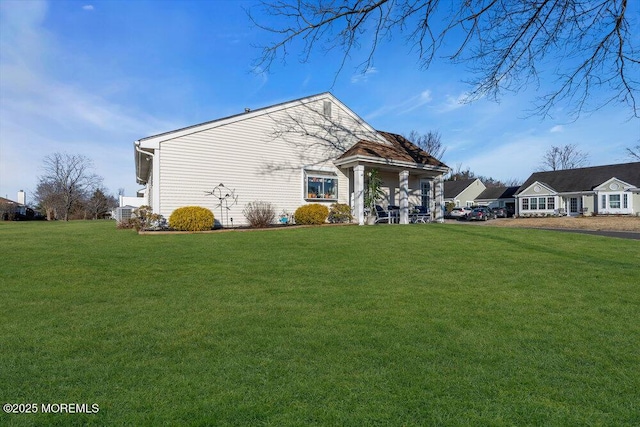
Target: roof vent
246, 110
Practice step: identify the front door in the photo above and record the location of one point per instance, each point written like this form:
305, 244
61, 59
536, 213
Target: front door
425, 193
574, 208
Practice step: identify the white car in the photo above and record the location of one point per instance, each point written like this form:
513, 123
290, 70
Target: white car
459, 213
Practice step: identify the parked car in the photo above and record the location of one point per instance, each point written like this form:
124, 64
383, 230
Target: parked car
459, 213
480, 214
500, 212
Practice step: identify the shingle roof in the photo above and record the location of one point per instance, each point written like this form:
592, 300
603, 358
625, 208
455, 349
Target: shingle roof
453, 188
585, 179
494, 193
400, 149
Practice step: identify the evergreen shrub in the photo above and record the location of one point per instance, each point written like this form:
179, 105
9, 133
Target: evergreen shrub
312, 214
191, 218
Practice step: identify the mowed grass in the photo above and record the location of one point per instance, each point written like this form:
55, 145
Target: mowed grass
352, 326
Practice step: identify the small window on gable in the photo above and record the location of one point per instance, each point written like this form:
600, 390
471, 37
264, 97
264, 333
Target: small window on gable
321, 185
326, 109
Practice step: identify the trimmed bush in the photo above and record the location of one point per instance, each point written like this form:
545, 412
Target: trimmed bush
312, 214
191, 218
259, 214
340, 212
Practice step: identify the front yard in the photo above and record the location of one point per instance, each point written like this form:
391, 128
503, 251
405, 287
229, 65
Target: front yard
608, 223
428, 324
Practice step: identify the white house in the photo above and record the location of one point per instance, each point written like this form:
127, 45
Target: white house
310, 150
602, 190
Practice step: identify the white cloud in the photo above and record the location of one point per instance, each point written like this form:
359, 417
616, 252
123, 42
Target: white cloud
88, 7
557, 129
452, 103
364, 76
40, 114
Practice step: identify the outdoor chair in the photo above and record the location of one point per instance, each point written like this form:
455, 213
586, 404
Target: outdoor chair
381, 215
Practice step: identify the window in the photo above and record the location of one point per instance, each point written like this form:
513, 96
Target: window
542, 203
604, 201
614, 201
625, 201
525, 204
551, 203
321, 185
534, 203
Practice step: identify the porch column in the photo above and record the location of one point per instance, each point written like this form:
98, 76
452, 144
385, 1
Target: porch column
358, 193
404, 197
439, 198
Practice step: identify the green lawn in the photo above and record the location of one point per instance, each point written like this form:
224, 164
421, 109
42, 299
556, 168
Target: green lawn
348, 326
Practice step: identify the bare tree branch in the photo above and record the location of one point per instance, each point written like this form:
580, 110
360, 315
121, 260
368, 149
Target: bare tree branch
506, 45
564, 157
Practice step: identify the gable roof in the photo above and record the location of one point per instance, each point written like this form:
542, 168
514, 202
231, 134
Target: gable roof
454, 188
399, 149
494, 193
584, 179
9, 202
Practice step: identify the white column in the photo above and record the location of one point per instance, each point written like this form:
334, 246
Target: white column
404, 197
439, 198
358, 189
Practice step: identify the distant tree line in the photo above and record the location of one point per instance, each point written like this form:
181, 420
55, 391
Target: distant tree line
68, 189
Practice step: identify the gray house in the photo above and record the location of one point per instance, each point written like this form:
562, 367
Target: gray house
602, 190
498, 197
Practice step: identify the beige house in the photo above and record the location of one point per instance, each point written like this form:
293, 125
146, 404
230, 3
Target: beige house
310, 150
463, 192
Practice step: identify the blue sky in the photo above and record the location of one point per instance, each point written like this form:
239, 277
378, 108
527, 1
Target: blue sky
91, 77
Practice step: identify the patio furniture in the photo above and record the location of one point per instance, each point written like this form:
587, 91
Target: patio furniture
381, 215
419, 215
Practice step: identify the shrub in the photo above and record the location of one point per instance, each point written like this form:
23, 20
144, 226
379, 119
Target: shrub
340, 212
311, 214
191, 218
259, 214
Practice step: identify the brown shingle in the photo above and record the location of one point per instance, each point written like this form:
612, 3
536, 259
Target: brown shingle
399, 149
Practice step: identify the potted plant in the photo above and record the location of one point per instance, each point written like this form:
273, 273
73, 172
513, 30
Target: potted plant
372, 194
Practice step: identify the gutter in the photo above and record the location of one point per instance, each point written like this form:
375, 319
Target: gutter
148, 155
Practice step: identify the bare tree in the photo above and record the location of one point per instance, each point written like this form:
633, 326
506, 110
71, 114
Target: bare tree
430, 142
634, 152
565, 157
506, 45
66, 181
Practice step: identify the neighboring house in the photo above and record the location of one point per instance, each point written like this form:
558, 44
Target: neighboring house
130, 201
10, 210
463, 192
602, 190
310, 150
498, 197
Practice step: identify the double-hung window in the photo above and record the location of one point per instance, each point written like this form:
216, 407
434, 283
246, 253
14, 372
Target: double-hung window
321, 185
534, 203
551, 203
525, 204
542, 203
614, 201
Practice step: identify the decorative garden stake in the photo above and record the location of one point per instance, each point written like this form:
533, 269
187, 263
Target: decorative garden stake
226, 199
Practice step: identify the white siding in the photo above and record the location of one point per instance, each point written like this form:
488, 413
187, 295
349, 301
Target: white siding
261, 158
